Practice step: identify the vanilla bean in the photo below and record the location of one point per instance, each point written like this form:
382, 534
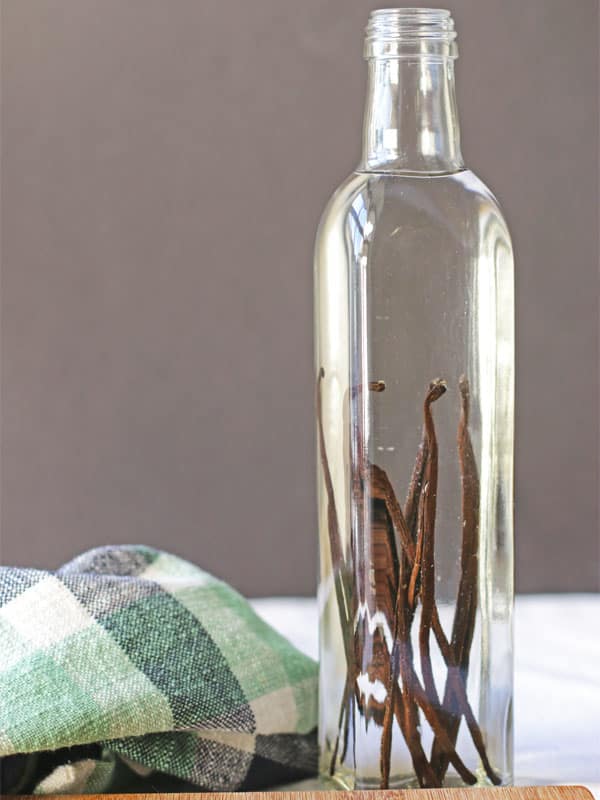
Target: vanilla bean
427, 509
410, 583
466, 602
411, 506
428, 699
393, 690
475, 731
346, 730
426, 777
411, 729
343, 585
457, 687
414, 691
414, 584
433, 715
411, 514
341, 721
381, 488
386, 733
402, 655
383, 596
404, 705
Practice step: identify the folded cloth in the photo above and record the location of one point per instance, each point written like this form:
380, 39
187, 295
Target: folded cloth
130, 668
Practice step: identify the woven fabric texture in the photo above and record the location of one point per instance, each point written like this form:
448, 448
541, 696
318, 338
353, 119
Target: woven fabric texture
130, 667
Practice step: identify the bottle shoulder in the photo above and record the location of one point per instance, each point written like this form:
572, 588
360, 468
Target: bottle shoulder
340, 202
457, 200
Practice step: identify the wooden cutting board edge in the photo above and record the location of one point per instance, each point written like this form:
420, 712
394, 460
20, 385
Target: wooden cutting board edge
484, 793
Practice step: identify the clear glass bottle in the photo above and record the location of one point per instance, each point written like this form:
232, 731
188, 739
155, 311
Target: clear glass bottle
414, 393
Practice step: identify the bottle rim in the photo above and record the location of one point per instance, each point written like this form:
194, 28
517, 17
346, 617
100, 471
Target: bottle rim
409, 32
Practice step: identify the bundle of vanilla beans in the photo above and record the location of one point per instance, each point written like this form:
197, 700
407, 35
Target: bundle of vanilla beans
392, 572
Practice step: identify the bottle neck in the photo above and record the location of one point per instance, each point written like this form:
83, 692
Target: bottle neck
411, 119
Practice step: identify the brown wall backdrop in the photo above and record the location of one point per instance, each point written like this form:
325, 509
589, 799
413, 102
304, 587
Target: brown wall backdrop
164, 165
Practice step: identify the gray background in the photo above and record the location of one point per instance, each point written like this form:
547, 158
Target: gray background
164, 165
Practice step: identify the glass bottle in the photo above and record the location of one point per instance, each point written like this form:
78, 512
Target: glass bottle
414, 402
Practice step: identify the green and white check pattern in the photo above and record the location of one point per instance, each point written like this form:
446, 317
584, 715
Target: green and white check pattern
131, 665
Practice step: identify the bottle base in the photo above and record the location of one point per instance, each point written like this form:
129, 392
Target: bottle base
345, 779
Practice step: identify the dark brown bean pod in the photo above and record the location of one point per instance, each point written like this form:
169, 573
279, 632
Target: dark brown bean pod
454, 703
343, 588
427, 510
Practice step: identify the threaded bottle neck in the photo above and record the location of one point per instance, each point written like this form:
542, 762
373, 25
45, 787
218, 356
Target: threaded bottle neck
409, 32
411, 120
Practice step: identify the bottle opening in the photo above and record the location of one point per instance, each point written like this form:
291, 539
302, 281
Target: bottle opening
409, 32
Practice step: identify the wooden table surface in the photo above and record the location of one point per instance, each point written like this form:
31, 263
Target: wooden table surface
502, 793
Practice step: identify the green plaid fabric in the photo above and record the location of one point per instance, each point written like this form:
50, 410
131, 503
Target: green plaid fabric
131, 668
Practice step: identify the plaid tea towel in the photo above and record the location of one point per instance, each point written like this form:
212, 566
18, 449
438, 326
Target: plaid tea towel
130, 668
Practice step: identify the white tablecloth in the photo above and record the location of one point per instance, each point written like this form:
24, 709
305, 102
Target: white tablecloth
557, 681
